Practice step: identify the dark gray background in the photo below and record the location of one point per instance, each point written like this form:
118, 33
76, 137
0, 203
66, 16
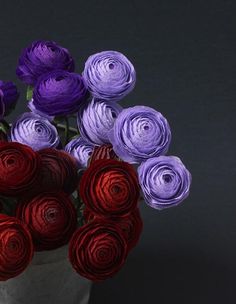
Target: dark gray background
184, 53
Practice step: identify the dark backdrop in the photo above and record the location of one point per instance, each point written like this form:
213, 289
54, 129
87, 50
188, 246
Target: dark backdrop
184, 54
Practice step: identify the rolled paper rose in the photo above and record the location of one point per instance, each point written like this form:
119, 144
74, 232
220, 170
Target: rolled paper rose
58, 171
109, 188
41, 57
109, 75
16, 247
19, 168
131, 225
139, 133
98, 250
165, 181
35, 131
103, 152
81, 150
96, 119
10, 94
51, 218
59, 93
2, 106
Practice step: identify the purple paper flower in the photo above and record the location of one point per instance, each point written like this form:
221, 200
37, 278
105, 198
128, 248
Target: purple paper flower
41, 57
35, 131
81, 150
109, 75
165, 181
2, 105
96, 119
9, 93
139, 133
34, 110
59, 93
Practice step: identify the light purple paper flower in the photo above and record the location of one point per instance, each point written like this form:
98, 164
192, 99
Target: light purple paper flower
109, 75
139, 133
81, 150
35, 131
165, 181
96, 119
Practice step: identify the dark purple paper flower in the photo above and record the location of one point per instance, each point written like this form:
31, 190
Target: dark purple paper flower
35, 131
97, 118
35, 111
139, 133
165, 181
2, 105
9, 93
41, 57
109, 75
59, 93
81, 150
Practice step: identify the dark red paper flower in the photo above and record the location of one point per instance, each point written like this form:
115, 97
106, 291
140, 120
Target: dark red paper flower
131, 225
109, 188
98, 250
58, 172
16, 247
19, 167
51, 218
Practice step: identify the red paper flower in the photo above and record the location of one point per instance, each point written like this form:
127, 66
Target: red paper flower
98, 250
58, 172
19, 167
109, 188
131, 225
51, 218
103, 152
16, 247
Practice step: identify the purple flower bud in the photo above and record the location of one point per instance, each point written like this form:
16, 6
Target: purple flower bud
41, 57
96, 118
139, 133
10, 94
81, 150
165, 181
35, 131
59, 93
109, 75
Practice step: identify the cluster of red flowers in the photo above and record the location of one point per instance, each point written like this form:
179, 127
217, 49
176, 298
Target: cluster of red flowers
45, 213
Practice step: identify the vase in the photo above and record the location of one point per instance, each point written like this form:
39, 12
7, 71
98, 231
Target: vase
49, 279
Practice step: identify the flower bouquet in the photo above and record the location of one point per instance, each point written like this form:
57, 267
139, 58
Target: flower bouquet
69, 197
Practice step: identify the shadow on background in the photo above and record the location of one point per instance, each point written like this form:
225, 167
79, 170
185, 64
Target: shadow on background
180, 279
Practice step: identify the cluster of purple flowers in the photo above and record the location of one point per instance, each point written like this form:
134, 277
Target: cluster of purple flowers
139, 135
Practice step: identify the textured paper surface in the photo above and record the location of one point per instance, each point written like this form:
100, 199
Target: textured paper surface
49, 279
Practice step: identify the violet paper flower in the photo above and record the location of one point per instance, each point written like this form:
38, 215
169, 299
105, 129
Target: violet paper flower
139, 133
81, 150
41, 57
10, 94
35, 131
109, 75
165, 181
35, 111
59, 93
95, 120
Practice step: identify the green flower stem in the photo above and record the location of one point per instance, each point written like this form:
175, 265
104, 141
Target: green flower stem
70, 129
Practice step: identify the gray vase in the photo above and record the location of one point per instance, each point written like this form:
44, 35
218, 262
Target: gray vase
49, 279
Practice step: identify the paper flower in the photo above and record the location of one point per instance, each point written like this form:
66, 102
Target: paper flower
9, 94
109, 75
165, 181
35, 131
41, 57
139, 133
96, 119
